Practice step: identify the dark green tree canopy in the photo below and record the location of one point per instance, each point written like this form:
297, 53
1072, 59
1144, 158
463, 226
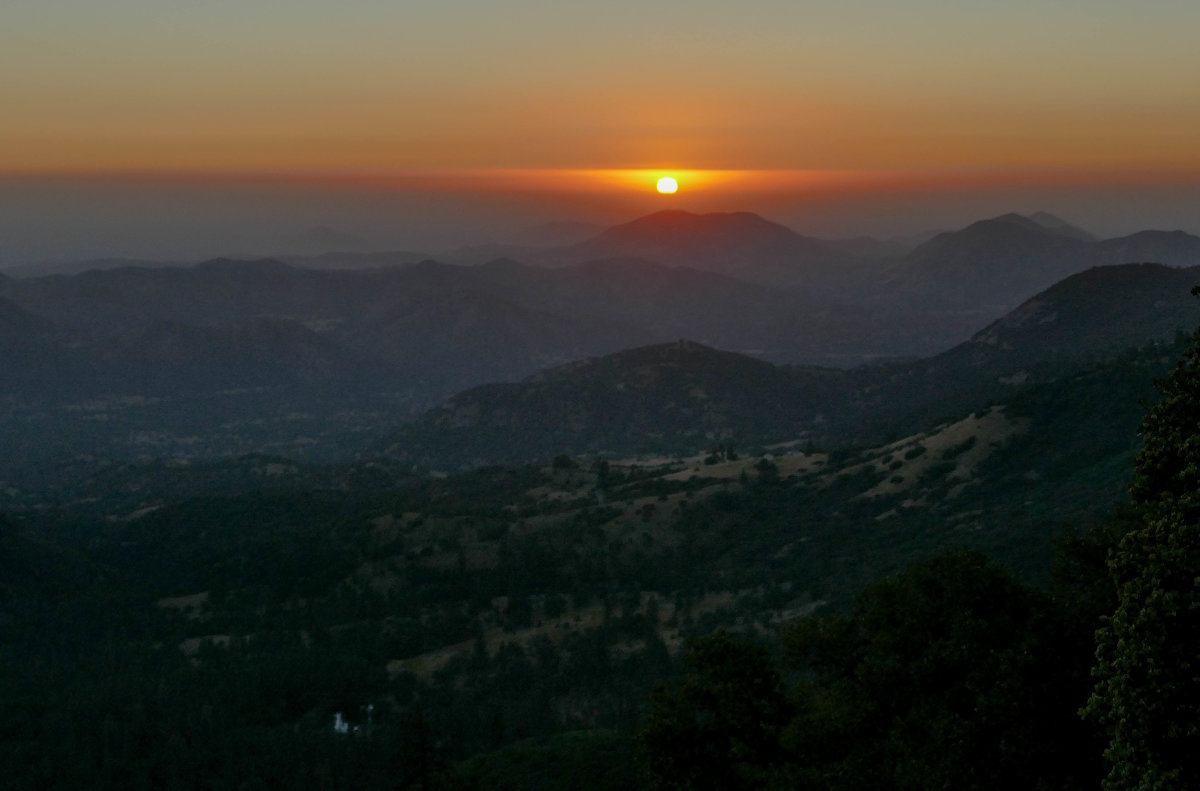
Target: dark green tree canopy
719, 728
949, 675
1167, 474
1148, 656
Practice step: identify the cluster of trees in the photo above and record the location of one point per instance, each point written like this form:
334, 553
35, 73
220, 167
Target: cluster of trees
960, 671
1148, 694
953, 675
949, 675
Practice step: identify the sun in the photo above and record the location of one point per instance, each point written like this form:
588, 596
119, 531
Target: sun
667, 185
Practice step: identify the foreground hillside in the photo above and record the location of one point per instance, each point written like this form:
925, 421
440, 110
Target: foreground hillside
207, 618
685, 397
263, 621
649, 400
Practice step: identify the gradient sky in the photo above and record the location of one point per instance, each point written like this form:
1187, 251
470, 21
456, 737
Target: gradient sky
165, 127
375, 84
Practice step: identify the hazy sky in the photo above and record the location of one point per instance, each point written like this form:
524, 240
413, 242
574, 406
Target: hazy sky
1050, 92
851, 84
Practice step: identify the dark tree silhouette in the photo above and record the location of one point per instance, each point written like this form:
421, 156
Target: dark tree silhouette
720, 727
1148, 671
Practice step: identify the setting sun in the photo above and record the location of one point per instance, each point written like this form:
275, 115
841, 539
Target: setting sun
667, 185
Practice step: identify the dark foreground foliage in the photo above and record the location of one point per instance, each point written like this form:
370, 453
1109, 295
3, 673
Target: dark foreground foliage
204, 627
1148, 690
947, 676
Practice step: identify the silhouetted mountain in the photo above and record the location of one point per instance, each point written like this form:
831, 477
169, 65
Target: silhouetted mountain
654, 302
664, 302
667, 397
1000, 262
662, 397
356, 260
100, 303
46, 268
475, 255
738, 244
996, 262
1061, 226
414, 335
174, 358
1172, 248
256, 267
467, 336
1096, 311
1084, 319
257, 342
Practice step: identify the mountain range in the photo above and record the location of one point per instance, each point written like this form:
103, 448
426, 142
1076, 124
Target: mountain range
183, 591
653, 399
736, 244
683, 397
402, 335
1002, 261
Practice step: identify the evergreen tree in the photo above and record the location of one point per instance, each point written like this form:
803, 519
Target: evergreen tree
718, 728
950, 675
1148, 655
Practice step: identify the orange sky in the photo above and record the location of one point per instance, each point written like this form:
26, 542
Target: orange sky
364, 86
164, 127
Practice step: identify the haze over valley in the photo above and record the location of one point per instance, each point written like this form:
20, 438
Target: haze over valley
318, 356
670, 396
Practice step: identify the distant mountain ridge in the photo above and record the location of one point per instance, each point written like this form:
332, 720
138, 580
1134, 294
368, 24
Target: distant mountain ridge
411, 335
645, 400
1002, 261
1060, 226
625, 302
170, 357
989, 266
684, 395
738, 244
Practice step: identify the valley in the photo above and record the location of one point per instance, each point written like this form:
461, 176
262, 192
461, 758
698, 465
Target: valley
438, 524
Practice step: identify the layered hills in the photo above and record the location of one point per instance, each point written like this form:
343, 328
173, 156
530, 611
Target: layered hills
999, 262
683, 397
376, 345
739, 244
189, 618
271, 599
663, 398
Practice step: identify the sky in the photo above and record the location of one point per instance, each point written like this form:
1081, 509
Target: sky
766, 104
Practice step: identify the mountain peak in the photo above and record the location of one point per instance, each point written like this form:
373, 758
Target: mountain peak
1009, 220
680, 220
673, 396
743, 245
1040, 222
1060, 226
673, 353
